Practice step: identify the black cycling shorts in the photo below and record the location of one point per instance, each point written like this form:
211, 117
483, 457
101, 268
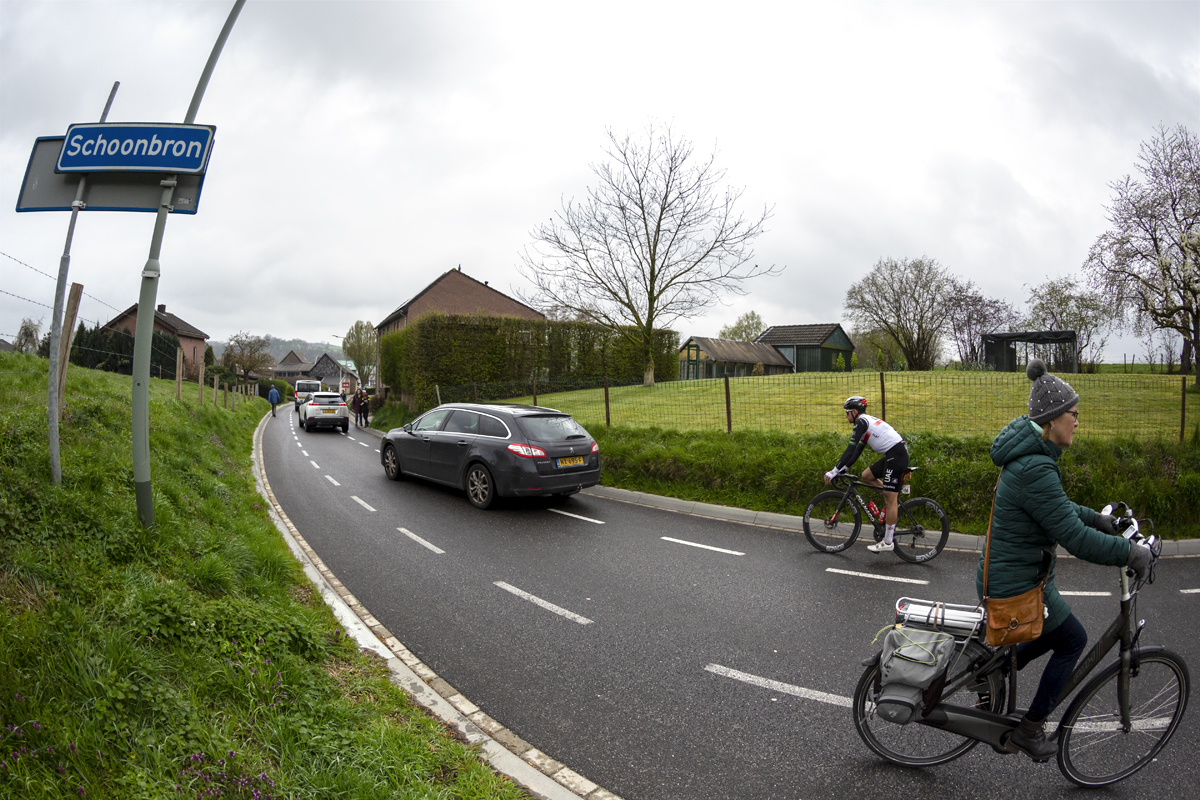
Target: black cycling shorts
891, 468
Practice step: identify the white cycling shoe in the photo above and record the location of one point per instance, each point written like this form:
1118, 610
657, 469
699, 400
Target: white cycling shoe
882, 547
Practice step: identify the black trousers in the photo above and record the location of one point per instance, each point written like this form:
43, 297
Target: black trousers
1066, 642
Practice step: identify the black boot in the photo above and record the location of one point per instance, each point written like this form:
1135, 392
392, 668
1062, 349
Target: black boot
1031, 740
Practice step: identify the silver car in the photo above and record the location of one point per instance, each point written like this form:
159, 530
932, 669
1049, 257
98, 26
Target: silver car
324, 410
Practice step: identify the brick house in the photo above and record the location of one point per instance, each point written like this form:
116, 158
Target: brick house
191, 339
453, 292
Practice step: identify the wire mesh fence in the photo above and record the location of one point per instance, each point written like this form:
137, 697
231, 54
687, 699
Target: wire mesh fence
951, 403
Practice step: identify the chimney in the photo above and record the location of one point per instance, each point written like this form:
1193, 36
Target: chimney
162, 308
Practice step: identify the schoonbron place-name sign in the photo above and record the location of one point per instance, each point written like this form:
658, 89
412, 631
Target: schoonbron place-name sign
136, 147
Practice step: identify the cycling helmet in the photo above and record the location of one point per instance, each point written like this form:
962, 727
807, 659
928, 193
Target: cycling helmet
857, 403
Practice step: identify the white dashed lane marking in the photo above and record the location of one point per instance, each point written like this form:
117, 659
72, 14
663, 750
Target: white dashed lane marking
776, 686
331, 480
361, 503
576, 516
704, 546
364, 444
421, 541
1189, 591
313, 462
875, 577
562, 612
305, 452
1084, 594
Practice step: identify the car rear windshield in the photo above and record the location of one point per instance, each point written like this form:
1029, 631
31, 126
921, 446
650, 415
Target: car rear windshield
327, 399
557, 428
308, 386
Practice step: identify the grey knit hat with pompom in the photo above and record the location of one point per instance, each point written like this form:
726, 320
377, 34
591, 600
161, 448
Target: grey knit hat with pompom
1049, 397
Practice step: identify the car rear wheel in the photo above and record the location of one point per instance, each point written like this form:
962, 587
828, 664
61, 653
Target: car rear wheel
391, 463
346, 425
481, 489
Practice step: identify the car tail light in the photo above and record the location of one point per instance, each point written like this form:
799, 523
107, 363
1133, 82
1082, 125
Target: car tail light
527, 451
595, 447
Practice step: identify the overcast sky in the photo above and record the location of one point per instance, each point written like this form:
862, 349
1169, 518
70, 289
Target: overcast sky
363, 148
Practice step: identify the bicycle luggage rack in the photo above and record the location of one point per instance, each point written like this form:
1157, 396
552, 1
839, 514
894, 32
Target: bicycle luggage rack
961, 621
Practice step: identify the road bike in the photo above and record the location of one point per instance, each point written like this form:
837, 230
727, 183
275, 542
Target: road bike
1120, 720
834, 518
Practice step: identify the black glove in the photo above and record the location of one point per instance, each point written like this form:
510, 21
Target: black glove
1106, 523
1140, 559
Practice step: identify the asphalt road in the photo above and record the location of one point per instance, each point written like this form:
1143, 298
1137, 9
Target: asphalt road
663, 655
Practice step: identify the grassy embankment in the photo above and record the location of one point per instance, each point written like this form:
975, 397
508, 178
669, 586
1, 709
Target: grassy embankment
192, 659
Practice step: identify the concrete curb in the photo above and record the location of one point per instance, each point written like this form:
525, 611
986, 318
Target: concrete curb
542, 776
789, 522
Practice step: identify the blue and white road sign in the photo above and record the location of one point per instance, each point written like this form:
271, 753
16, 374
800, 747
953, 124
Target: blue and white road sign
136, 147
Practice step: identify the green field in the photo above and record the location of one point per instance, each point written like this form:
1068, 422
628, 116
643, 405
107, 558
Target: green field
956, 403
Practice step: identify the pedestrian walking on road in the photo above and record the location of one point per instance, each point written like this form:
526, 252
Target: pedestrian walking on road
355, 406
273, 399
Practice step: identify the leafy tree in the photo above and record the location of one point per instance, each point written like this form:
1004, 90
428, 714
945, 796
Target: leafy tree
840, 366
359, 345
27, 336
655, 241
1061, 304
209, 357
245, 353
853, 361
1148, 262
972, 314
747, 328
909, 301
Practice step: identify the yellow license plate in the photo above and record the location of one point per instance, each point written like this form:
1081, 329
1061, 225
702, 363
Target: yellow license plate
573, 461
329, 411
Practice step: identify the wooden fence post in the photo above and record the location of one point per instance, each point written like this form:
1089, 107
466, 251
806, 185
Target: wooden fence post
66, 340
178, 373
225, 389
535, 390
607, 418
1182, 409
882, 399
235, 394
475, 390
214, 391
728, 409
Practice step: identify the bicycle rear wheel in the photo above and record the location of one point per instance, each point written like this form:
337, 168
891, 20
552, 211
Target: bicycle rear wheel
1094, 749
915, 744
922, 529
829, 525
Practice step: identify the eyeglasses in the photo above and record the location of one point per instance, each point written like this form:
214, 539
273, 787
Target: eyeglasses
1074, 414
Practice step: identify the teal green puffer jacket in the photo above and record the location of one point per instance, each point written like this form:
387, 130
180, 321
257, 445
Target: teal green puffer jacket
1033, 516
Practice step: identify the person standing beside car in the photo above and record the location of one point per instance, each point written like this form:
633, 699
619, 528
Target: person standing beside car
354, 406
364, 405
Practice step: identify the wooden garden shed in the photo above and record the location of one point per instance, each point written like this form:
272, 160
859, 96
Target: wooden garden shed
810, 348
715, 358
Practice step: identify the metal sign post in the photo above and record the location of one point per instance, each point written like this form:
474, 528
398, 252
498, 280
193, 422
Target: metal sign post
144, 329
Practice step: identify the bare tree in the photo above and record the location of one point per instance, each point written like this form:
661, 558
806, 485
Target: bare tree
746, 328
1061, 304
655, 241
359, 347
908, 300
27, 336
972, 315
245, 353
1148, 262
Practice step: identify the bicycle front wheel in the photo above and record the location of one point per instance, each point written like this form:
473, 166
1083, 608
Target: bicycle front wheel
915, 744
922, 530
829, 525
1094, 748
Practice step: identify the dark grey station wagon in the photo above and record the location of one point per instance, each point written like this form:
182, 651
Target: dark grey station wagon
491, 450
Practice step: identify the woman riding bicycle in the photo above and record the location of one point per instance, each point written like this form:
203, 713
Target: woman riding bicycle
1031, 516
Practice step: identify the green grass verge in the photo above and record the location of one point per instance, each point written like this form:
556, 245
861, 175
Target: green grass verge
192, 659
781, 472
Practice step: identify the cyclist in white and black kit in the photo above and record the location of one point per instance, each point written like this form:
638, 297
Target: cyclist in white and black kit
886, 473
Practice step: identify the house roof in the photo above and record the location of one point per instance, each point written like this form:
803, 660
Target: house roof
166, 319
293, 357
342, 368
804, 335
402, 309
6, 347
740, 352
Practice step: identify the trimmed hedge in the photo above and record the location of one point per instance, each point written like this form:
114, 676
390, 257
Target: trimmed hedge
454, 350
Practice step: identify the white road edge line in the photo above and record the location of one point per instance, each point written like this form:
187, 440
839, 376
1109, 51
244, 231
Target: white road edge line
421, 541
705, 546
537, 601
331, 480
1084, 594
356, 499
312, 462
1189, 591
576, 516
776, 686
876, 577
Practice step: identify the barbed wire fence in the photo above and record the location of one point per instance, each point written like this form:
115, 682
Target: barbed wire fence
941, 402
